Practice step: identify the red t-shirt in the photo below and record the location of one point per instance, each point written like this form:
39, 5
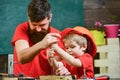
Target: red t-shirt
39, 65
87, 65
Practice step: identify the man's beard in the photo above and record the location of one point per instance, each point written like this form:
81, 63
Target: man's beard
37, 36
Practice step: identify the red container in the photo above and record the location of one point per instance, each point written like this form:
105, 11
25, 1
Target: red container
111, 30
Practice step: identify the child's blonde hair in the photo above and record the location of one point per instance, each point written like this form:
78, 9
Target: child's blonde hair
80, 40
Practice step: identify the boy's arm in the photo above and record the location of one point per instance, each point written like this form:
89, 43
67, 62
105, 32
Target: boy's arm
65, 56
52, 59
57, 66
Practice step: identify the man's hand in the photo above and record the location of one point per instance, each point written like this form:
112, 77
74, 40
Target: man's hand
50, 39
50, 56
50, 53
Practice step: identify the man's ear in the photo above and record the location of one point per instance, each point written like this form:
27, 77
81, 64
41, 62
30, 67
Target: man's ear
50, 16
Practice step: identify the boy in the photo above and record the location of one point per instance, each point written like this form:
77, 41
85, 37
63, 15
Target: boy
80, 49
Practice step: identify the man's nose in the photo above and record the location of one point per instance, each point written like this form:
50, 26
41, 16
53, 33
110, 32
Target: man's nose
38, 29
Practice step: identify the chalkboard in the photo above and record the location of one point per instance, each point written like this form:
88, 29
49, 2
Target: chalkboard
12, 12
66, 13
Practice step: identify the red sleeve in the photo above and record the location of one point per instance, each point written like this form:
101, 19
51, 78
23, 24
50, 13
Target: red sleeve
87, 62
21, 32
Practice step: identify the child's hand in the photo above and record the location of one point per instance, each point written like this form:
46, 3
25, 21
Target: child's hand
62, 71
53, 46
50, 53
50, 56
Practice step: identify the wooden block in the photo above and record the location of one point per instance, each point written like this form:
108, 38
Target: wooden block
6, 78
54, 77
18, 78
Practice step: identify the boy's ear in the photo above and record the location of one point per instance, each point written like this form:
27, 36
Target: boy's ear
84, 47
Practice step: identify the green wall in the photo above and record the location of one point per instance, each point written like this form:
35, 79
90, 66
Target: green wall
66, 13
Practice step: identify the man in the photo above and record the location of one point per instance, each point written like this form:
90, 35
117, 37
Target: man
32, 38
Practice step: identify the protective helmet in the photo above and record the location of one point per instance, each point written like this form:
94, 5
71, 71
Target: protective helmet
91, 46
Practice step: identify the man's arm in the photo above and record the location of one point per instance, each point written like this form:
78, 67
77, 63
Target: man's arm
26, 53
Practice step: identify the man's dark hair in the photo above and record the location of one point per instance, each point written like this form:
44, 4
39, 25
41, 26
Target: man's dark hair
38, 10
